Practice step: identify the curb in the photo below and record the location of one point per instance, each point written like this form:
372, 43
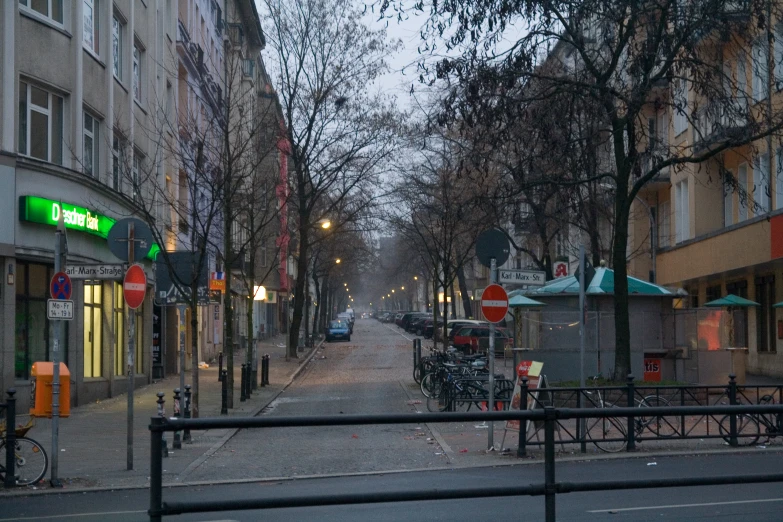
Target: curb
228, 436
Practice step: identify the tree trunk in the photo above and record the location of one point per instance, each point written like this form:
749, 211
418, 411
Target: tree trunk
299, 290
308, 301
228, 311
463, 290
622, 326
194, 354
318, 304
250, 336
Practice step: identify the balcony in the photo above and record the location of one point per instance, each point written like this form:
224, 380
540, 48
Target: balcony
648, 160
715, 124
734, 14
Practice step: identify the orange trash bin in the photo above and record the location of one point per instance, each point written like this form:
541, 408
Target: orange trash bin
41, 389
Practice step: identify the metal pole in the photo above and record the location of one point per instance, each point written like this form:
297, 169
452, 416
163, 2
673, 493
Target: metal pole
59, 266
10, 439
156, 470
131, 352
550, 487
582, 328
491, 357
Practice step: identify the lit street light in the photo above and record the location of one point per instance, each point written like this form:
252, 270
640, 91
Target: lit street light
325, 224
402, 288
337, 261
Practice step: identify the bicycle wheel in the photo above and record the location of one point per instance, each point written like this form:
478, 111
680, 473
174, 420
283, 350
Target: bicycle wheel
659, 425
609, 434
747, 429
431, 385
31, 462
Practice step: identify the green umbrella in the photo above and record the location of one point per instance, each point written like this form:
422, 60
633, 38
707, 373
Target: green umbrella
778, 305
731, 300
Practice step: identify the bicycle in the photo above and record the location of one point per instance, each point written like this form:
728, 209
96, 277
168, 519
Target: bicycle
461, 393
749, 425
31, 459
610, 434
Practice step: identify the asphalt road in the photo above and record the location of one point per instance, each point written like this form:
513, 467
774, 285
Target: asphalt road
760, 502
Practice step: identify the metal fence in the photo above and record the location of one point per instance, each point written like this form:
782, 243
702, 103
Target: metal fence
548, 418
9, 438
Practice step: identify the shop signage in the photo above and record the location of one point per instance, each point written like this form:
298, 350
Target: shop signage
34, 209
106, 272
217, 281
652, 370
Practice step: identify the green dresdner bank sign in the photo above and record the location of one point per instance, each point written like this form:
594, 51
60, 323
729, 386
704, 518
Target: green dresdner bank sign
34, 209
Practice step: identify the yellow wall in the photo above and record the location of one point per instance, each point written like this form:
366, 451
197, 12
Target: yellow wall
733, 250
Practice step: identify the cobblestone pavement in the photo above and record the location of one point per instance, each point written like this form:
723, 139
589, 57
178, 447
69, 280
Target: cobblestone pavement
93, 440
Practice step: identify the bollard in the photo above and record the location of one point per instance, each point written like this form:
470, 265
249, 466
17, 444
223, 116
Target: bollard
522, 446
416, 353
265, 372
177, 444
550, 486
631, 421
186, 434
224, 393
242, 385
733, 417
10, 438
248, 378
254, 372
220, 367
164, 448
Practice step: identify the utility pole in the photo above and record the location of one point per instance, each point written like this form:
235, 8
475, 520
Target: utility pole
60, 252
131, 350
491, 357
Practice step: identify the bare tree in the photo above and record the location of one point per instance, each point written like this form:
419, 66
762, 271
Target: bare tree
632, 61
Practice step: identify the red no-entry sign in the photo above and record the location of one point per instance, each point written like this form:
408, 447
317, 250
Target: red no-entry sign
134, 286
494, 303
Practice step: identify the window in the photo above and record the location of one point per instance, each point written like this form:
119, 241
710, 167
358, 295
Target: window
118, 157
742, 82
728, 202
713, 292
680, 106
761, 195
90, 36
137, 76
742, 181
52, 9
664, 223
262, 253
682, 209
40, 124
760, 69
184, 208
119, 330
765, 314
116, 46
136, 177
33, 330
91, 145
248, 67
779, 179
778, 57
93, 329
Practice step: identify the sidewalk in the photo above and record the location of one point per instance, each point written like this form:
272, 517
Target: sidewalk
93, 440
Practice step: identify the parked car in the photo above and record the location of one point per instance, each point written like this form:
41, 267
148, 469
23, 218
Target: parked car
338, 330
347, 319
451, 324
398, 318
469, 338
414, 319
427, 328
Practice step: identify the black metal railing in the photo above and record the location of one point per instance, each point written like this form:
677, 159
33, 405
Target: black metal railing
549, 488
9, 442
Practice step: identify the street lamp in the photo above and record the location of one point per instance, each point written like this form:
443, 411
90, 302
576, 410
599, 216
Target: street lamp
402, 288
337, 261
325, 224
392, 290
345, 284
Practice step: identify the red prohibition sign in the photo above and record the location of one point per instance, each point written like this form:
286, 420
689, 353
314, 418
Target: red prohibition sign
494, 303
134, 286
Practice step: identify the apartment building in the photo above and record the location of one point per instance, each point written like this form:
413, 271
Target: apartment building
82, 83
709, 237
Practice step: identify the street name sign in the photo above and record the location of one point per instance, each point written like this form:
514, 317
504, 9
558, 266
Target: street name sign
522, 277
59, 309
113, 272
494, 303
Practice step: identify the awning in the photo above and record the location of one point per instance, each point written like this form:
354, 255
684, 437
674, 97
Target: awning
602, 284
520, 301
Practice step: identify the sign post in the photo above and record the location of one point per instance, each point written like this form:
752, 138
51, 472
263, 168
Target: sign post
494, 306
60, 289
138, 239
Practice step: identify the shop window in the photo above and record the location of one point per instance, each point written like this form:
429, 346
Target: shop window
34, 331
765, 314
120, 350
93, 329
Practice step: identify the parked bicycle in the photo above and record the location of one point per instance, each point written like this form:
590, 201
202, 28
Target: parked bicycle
749, 425
31, 461
462, 393
610, 434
